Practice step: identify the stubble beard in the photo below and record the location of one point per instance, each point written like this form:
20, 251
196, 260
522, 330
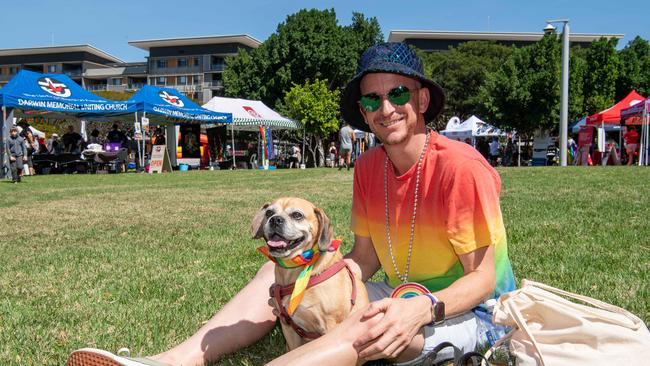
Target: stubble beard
397, 137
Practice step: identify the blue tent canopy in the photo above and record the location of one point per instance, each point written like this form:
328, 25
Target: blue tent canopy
57, 94
172, 104
575, 126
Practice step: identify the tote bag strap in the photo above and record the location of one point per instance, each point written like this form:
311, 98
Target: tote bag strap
588, 300
521, 324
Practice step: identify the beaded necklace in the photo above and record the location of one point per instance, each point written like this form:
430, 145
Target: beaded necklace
404, 277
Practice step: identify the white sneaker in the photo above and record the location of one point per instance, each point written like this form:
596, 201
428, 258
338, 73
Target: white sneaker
99, 357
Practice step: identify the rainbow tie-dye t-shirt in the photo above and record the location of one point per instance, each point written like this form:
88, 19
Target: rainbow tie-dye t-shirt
457, 212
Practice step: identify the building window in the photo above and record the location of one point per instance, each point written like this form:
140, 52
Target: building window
13, 70
116, 81
182, 62
161, 80
51, 68
161, 64
195, 61
181, 80
196, 79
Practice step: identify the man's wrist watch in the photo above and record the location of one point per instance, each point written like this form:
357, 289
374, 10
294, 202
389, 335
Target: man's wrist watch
437, 310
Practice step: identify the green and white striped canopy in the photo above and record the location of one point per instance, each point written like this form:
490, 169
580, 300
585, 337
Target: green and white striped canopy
248, 115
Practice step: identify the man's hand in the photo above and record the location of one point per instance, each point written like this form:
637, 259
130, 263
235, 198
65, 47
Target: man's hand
402, 320
24, 158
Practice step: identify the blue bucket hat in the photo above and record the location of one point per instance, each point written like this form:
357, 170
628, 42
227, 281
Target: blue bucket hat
390, 57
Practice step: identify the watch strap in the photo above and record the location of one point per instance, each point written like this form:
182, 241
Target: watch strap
437, 310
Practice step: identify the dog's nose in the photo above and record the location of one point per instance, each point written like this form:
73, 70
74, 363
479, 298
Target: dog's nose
277, 221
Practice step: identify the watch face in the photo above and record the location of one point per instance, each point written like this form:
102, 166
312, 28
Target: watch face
439, 311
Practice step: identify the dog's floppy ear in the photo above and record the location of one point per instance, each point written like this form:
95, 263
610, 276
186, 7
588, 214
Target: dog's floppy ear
324, 230
257, 226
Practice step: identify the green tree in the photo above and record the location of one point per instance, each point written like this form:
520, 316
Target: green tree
243, 74
524, 92
308, 45
577, 72
317, 108
602, 72
634, 68
462, 71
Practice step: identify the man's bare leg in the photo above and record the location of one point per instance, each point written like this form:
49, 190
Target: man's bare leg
335, 347
245, 319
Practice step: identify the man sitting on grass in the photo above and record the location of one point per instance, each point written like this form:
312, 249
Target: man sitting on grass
425, 209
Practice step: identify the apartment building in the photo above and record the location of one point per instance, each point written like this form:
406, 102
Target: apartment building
130, 76
193, 65
441, 40
74, 61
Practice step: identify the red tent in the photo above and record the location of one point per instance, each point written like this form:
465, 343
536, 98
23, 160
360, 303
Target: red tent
612, 115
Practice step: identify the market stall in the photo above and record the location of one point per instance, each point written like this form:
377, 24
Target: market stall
168, 107
472, 128
253, 115
51, 96
606, 120
639, 114
612, 115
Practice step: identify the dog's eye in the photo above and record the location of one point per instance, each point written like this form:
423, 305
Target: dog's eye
297, 216
269, 213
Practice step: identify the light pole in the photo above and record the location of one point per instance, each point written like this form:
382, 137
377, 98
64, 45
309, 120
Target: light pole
564, 92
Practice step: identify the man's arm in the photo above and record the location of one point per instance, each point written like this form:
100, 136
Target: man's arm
476, 285
24, 149
363, 258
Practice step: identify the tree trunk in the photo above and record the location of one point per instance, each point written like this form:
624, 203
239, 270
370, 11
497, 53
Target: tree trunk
312, 151
321, 152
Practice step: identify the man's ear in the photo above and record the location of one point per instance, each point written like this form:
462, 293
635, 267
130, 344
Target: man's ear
363, 113
257, 226
324, 230
424, 98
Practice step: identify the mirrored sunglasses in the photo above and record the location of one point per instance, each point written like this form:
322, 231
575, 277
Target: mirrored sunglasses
397, 96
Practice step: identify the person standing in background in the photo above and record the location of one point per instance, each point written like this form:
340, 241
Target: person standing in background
631, 142
17, 151
346, 140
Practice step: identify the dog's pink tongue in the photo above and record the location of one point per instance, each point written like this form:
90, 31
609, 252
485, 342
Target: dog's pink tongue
278, 243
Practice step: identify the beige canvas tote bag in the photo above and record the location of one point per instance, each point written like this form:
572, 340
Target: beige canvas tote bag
550, 330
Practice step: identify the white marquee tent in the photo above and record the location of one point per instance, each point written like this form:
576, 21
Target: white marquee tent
248, 115
471, 128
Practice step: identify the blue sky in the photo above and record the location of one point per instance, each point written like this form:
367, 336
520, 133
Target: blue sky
109, 25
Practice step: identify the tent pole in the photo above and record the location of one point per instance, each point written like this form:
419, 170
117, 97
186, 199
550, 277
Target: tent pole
302, 156
2, 143
232, 137
135, 121
144, 146
643, 156
519, 151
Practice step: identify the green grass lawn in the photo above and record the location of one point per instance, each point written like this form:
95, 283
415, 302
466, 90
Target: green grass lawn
141, 261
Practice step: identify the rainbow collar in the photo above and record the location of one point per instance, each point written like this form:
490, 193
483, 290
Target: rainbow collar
306, 258
306, 261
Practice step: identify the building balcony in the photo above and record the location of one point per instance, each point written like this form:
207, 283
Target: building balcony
175, 70
214, 84
72, 73
189, 88
216, 67
116, 88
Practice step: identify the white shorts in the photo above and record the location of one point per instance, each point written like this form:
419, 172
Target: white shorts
460, 330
